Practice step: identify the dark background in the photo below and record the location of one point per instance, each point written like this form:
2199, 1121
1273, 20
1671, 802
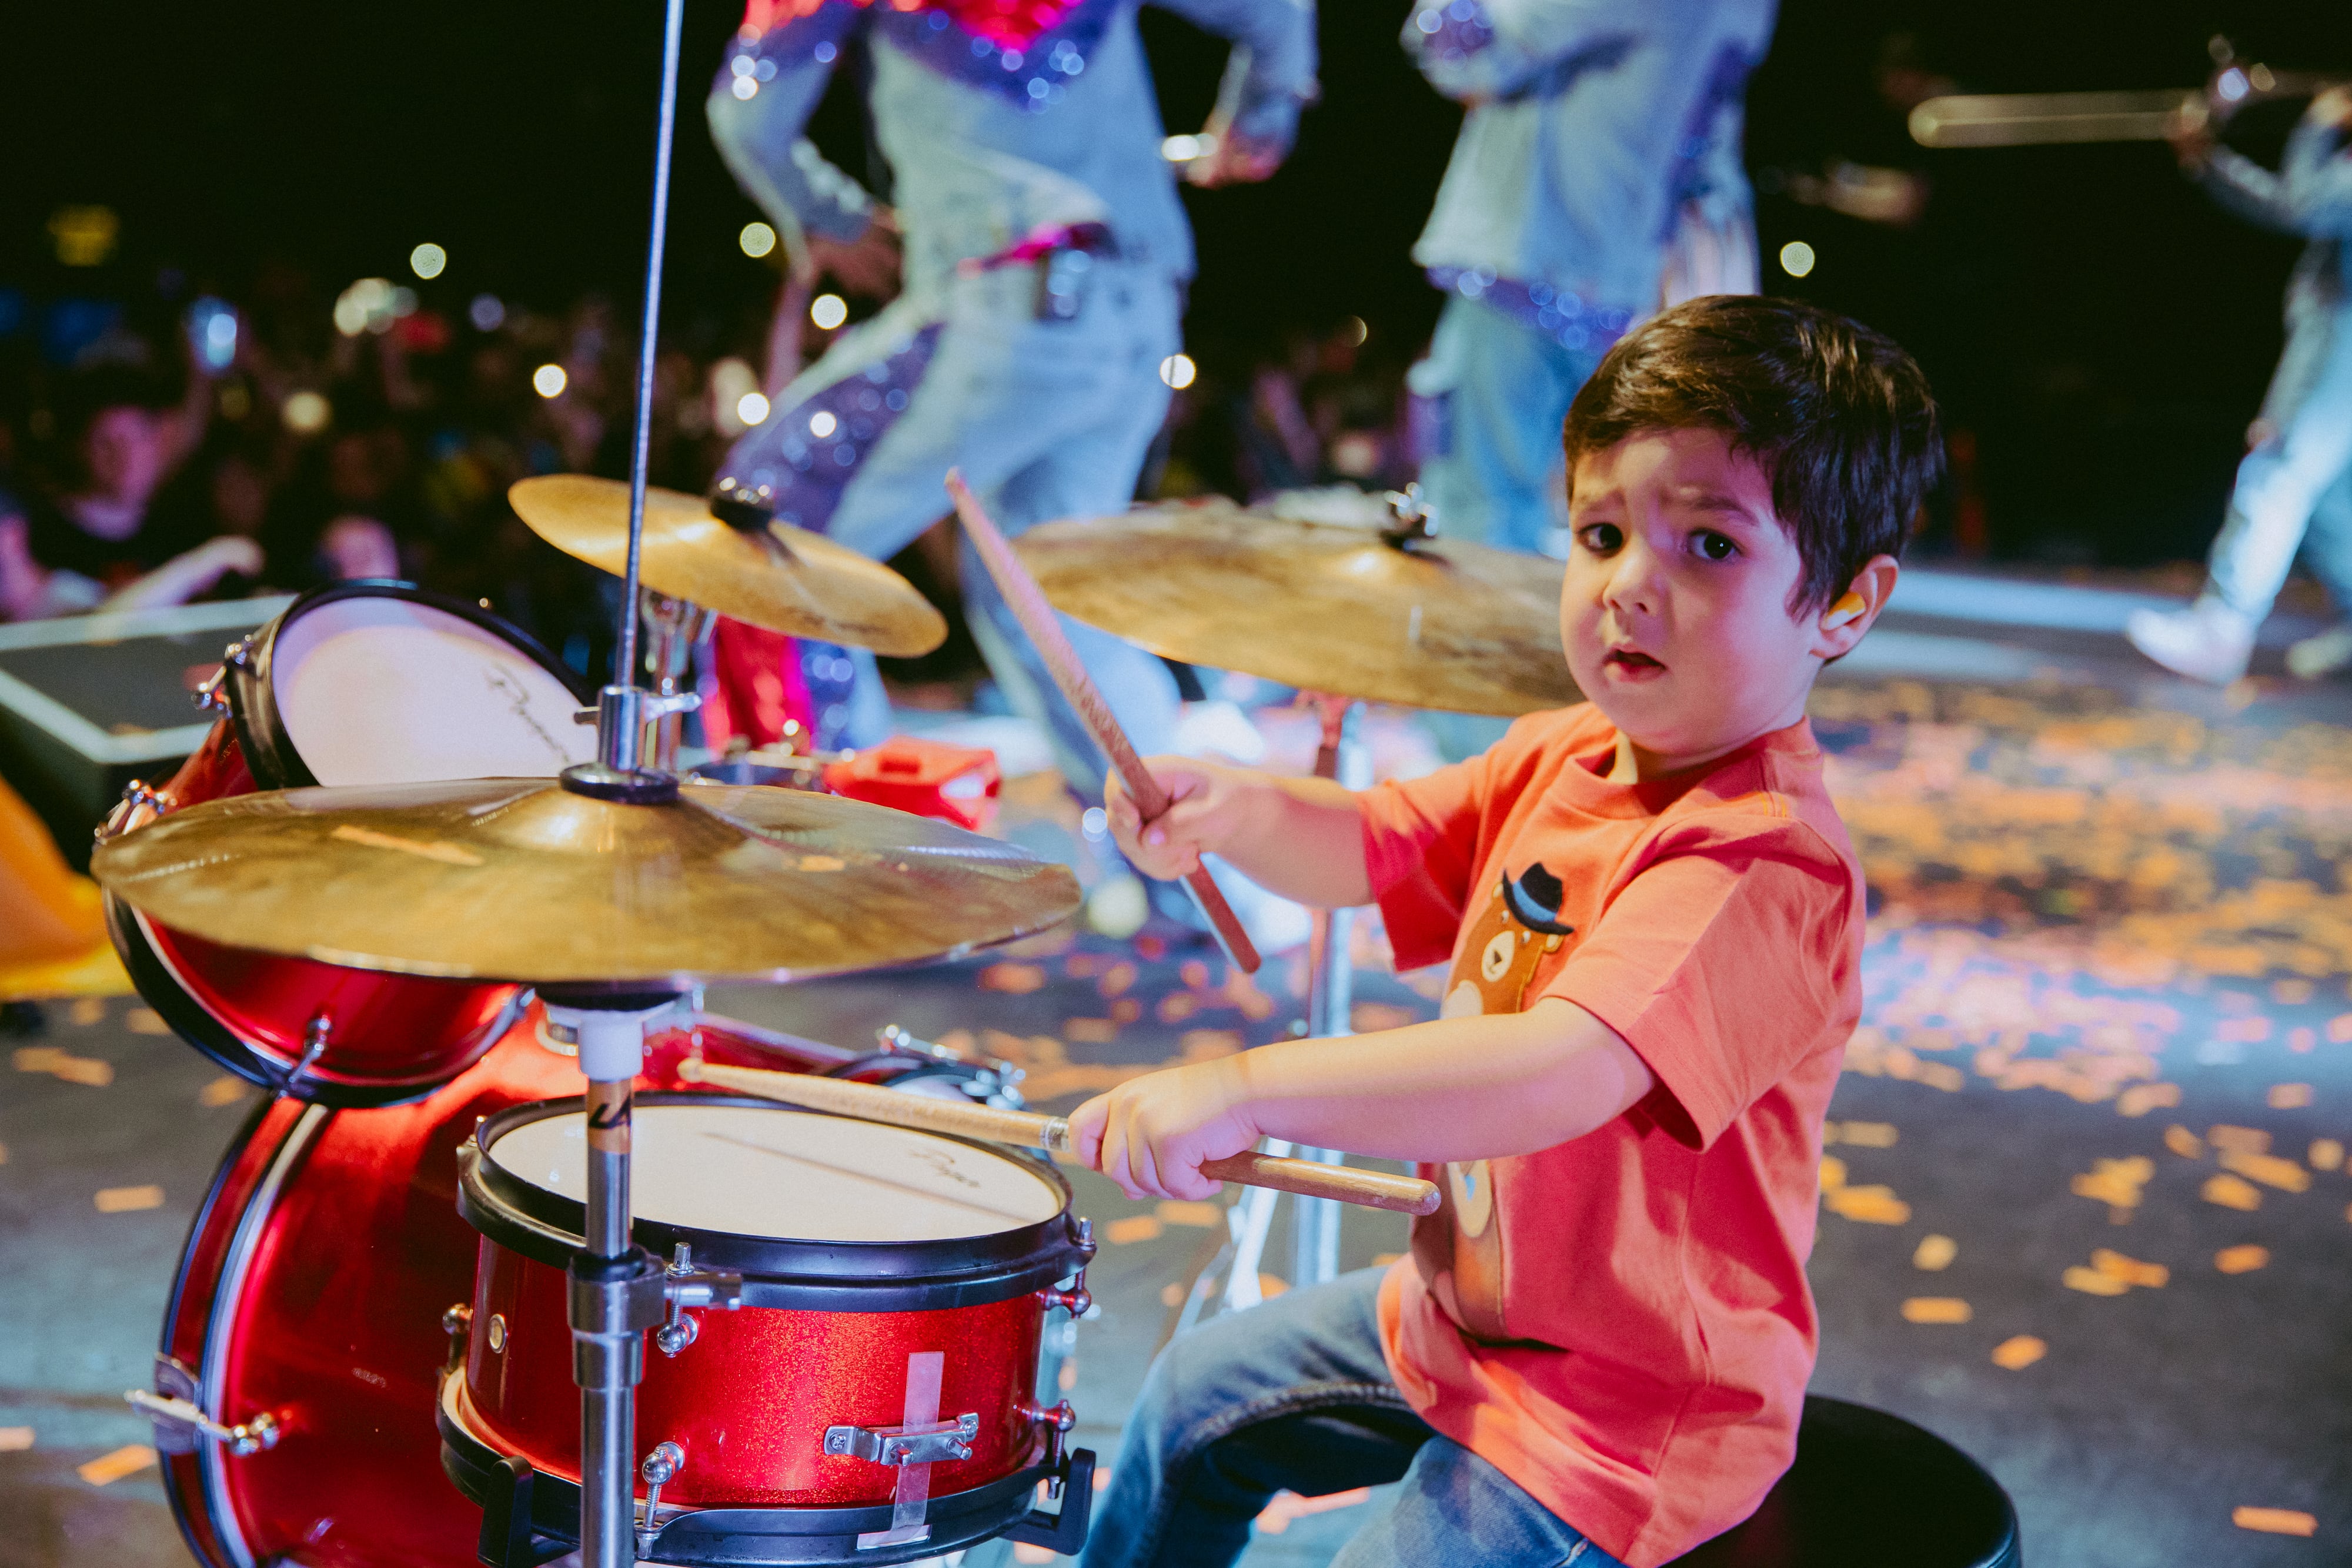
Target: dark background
2101, 329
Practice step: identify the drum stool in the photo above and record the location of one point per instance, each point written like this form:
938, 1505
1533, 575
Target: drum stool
1869, 1490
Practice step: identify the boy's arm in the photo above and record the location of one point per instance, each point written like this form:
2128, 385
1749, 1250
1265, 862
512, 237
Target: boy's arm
1269, 79
1300, 837
1457, 1089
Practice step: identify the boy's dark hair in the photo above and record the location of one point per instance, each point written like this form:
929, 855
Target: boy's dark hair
1838, 416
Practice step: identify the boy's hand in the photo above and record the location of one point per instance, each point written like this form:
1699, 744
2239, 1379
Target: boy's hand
1151, 1133
1205, 801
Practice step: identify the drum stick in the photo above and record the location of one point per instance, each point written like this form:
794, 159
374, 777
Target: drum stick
1044, 627
1307, 1178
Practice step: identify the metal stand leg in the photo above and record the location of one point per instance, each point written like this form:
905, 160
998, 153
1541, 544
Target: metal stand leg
675, 628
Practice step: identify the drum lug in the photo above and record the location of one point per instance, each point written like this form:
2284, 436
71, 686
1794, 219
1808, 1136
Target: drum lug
137, 796
458, 1322
239, 652
1075, 1300
933, 1443
181, 1425
1057, 1420
660, 1467
210, 696
684, 1286
315, 1037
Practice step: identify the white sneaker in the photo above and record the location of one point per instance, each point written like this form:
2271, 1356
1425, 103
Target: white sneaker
2207, 641
2323, 654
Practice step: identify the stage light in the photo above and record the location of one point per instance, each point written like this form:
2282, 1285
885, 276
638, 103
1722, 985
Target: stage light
549, 381
751, 408
829, 310
821, 423
427, 260
1357, 331
1179, 370
368, 306
744, 87
757, 238
488, 313
84, 236
1180, 149
306, 413
1796, 258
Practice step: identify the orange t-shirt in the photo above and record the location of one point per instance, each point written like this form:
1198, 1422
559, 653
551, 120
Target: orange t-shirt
1621, 1324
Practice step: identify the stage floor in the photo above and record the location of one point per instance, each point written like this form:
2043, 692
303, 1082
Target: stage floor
2106, 1059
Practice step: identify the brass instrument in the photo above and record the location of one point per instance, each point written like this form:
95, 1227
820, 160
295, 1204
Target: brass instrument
2046, 118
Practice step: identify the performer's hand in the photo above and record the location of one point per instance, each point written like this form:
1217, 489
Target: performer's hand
2192, 140
1206, 800
1151, 1133
2332, 108
867, 266
1238, 160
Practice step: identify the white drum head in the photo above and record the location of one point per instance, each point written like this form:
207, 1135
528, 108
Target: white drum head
382, 690
755, 1170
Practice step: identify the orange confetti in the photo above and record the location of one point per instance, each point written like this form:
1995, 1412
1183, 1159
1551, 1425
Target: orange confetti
2243, 1031
2019, 1352
146, 1020
2130, 1271
2292, 993
88, 1010
2116, 1183
2092, 1282
2326, 1154
2242, 1259
1150, 949
1117, 978
1382, 1260
1090, 1031
223, 1090
1271, 1285
108, 1468
1935, 1310
2141, 1098
1868, 1205
1935, 1253
1134, 1227
2184, 1142
1126, 1010
63, 1065
2239, 1140
1177, 1006
1861, 1134
1178, 1211
1832, 1173
1194, 974
2303, 1040
1085, 966
2275, 1521
129, 1200
2231, 1192
1013, 980
2290, 1096
2269, 1170
2339, 1028
1171, 1294
15, 1439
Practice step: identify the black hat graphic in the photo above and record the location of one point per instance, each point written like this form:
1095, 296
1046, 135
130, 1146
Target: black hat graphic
1534, 898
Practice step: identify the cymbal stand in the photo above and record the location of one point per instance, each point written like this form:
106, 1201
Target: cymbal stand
1330, 985
675, 628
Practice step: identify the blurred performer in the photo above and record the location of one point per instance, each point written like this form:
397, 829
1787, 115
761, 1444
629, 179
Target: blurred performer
1597, 176
1044, 260
2295, 486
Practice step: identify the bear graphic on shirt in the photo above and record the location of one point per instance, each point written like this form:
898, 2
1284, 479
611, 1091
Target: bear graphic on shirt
1458, 1248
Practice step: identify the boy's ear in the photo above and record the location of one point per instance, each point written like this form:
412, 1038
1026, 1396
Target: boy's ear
1840, 626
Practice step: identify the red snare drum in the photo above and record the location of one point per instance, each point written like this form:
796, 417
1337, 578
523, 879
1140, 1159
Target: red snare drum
312, 1293
872, 1401
364, 683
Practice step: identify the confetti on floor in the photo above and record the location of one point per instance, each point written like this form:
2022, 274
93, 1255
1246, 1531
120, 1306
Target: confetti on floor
63, 1065
2019, 1352
108, 1468
146, 1020
1935, 1253
2242, 1259
2231, 1192
223, 1091
15, 1439
2275, 1521
128, 1199
1179, 1211
1935, 1310
1134, 1227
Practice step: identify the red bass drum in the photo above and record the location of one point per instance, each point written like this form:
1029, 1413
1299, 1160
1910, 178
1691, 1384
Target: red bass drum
295, 1389
362, 683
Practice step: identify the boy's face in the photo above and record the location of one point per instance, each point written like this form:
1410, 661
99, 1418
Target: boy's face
1675, 611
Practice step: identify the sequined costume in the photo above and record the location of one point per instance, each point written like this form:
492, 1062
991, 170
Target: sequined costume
1601, 148
1045, 254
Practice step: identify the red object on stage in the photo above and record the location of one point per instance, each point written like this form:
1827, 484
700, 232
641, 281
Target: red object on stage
312, 1291
757, 687
956, 784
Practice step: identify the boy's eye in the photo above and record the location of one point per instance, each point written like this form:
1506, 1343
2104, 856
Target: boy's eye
1600, 538
1716, 547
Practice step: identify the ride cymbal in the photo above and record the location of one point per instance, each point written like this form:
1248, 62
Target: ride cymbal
782, 578
1430, 622
523, 879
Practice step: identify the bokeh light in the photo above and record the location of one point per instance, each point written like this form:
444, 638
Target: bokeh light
1179, 370
488, 313
821, 423
1796, 258
757, 239
427, 260
829, 310
751, 408
549, 381
306, 412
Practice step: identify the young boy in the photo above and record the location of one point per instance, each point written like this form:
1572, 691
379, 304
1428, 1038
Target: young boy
1597, 1351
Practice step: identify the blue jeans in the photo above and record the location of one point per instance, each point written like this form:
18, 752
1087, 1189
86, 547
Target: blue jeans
1293, 1394
2294, 488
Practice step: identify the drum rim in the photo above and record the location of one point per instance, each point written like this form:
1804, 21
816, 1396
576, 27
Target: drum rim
270, 754
788, 1273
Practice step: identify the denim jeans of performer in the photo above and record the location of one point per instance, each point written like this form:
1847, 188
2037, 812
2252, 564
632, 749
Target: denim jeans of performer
2294, 488
1046, 419
1293, 1393
1498, 394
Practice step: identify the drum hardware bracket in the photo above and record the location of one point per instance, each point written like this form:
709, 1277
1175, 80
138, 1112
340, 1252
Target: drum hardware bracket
315, 1036
209, 696
684, 1286
1074, 1488
934, 1442
458, 1322
239, 652
180, 1425
1416, 519
1057, 1420
660, 1467
137, 796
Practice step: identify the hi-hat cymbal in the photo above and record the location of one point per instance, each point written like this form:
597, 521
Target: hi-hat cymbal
522, 879
790, 580
1435, 623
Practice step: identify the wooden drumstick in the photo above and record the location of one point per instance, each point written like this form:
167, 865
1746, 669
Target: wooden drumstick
1044, 627
1307, 1178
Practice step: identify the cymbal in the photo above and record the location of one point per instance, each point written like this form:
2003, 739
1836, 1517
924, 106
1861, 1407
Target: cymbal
1439, 623
794, 581
523, 880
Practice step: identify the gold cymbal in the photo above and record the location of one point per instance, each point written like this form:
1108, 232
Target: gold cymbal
521, 879
792, 582
1436, 624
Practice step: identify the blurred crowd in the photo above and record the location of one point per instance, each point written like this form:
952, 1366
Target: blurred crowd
183, 445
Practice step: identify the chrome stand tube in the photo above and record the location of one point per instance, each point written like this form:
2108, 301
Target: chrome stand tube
1331, 993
